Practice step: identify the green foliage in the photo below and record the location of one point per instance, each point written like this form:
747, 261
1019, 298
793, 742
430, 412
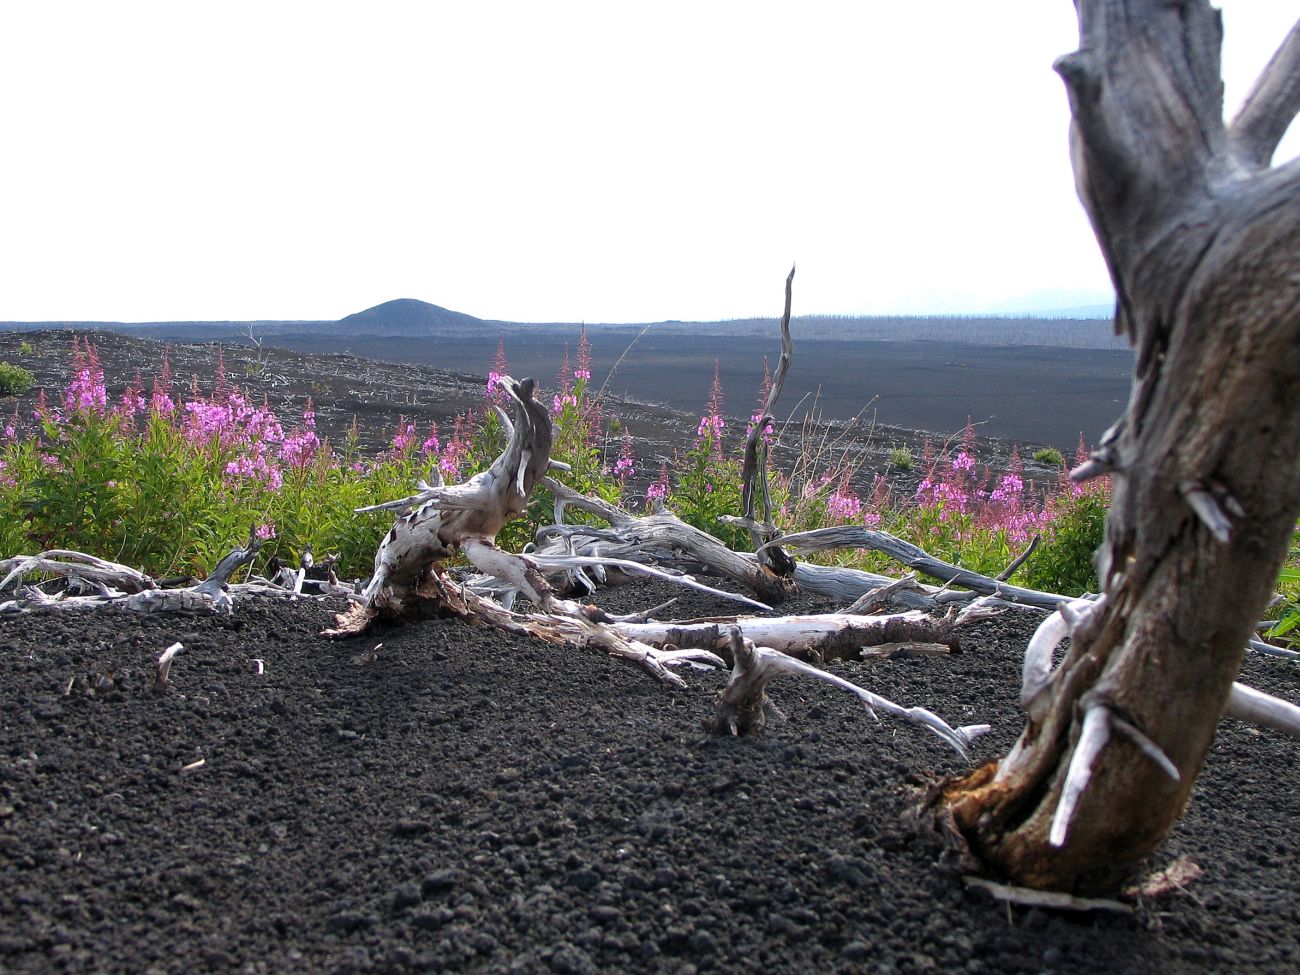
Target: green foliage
1050, 456
901, 458
1076, 528
171, 490
15, 380
1287, 627
708, 485
25, 348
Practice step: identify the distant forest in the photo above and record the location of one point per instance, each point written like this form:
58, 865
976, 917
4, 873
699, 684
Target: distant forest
1075, 333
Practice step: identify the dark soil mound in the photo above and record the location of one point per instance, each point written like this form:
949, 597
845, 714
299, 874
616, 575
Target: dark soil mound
441, 797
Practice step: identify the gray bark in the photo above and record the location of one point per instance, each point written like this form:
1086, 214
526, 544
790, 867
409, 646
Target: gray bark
1203, 243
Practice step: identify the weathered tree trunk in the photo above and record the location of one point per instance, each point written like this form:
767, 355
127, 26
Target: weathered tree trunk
1203, 244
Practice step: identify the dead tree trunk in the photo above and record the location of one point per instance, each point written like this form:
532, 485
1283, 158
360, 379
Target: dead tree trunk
755, 489
1203, 244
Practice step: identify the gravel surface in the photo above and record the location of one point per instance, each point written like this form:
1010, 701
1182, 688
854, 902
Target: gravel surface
444, 797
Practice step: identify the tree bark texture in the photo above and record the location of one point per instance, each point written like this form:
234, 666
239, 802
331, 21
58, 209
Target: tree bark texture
1203, 244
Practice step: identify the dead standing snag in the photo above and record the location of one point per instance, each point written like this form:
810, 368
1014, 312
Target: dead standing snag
1202, 241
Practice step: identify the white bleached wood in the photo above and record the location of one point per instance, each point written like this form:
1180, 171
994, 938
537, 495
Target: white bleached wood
742, 703
786, 634
1092, 739
1248, 704
65, 563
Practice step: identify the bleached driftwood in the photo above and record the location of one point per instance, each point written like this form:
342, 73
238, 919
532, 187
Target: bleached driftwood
441, 521
1248, 704
163, 668
744, 708
665, 540
660, 539
825, 636
856, 536
112, 584
66, 564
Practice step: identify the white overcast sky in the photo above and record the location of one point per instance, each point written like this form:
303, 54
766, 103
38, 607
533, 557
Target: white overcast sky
545, 161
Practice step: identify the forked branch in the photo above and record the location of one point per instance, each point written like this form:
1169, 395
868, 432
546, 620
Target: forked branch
1270, 107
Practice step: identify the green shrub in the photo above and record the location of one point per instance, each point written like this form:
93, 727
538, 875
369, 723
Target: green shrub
1076, 529
901, 458
1050, 456
15, 379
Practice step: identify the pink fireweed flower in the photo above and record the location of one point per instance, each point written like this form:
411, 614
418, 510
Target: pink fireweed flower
85, 392
256, 468
456, 450
769, 428
132, 401
41, 411
755, 418
710, 426
204, 420
559, 402
1010, 487
843, 505
160, 401
583, 370
658, 491
431, 446
625, 466
6, 479
299, 450
266, 531
711, 423
404, 436
219, 390
500, 368
565, 379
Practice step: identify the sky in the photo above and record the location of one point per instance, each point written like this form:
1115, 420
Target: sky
557, 161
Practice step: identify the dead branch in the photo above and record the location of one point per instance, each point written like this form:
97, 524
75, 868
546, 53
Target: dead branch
141, 593
1269, 108
753, 472
665, 540
817, 638
163, 669
66, 564
743, 707
855, 536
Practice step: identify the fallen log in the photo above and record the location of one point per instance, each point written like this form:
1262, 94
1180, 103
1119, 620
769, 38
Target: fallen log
665, 540
813, 638
856, 536
112, 584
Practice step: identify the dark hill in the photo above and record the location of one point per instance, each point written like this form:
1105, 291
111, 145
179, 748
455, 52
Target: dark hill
406, 316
